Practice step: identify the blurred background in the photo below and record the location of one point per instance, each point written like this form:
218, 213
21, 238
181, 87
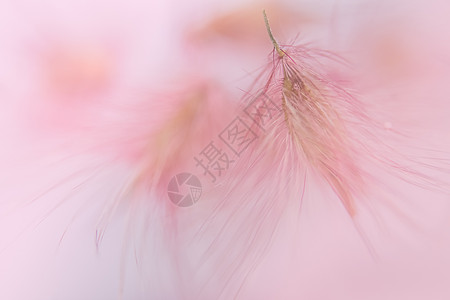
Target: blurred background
81, 80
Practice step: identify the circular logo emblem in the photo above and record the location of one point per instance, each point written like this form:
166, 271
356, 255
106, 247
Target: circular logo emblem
184, 189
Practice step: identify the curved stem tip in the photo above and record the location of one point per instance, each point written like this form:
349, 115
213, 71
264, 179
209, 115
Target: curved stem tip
269, 31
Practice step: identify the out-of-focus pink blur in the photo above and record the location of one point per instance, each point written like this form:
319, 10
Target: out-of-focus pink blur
80, 79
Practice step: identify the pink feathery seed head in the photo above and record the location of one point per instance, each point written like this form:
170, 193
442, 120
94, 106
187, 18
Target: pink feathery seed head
338, 136
190, 123
172, 121
303, 128
312, 107
157, 140
160, 139
293, 131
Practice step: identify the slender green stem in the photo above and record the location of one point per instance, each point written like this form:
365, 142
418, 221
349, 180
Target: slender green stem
269, 31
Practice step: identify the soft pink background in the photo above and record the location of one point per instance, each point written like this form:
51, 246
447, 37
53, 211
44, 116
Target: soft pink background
108, 52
